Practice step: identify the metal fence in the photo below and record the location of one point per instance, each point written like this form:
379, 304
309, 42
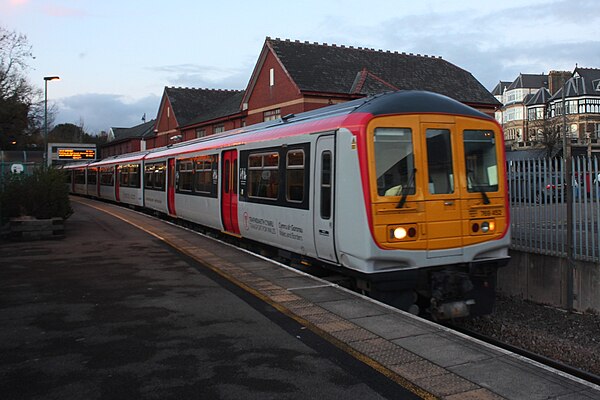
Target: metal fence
538, 206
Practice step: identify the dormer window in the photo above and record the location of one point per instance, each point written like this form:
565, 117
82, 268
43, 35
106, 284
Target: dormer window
596, 85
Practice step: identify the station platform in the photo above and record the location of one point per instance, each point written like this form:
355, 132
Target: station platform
129, 306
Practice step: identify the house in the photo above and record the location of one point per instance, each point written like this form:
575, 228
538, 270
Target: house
292, 77
188, 113
582, 104
127, 140
532, 111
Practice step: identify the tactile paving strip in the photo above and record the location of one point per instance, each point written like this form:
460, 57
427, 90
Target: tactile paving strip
354, 335
445, 385
418, 369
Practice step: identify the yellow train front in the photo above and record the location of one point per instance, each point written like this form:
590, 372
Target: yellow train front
433, 181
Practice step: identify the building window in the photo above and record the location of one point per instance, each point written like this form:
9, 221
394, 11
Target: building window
219, 128
271, 77
200, 132
271, 115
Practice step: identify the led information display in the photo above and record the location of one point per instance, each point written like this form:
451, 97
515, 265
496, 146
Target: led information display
76, 154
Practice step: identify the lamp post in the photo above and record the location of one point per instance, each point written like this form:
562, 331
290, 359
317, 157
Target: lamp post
46, 79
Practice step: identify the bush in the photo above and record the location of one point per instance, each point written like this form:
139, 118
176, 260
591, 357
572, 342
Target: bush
44, 194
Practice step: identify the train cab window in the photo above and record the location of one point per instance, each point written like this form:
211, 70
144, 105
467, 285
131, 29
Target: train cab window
480, 161
439, 161
394, 161
295, 176
263, 175
186, 175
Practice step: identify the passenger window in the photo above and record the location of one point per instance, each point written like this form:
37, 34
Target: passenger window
263, 175
439, 161
295, 176
203, 175
186, 176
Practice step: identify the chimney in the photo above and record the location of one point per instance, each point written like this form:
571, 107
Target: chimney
556, 80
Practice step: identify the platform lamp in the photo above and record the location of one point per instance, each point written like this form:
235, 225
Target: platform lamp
46, 79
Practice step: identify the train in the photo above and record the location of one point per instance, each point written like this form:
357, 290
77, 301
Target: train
403, 193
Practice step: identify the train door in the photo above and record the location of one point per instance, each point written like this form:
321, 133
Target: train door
323, 199
117, 183
171, 177
229, 191
442, 205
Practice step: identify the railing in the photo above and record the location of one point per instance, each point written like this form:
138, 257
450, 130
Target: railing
538, 201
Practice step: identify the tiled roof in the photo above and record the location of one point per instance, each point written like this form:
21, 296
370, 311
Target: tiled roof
500, 87
540, 97
190, 104
139, 131
229, 105
584, 82
529, 81
326, 68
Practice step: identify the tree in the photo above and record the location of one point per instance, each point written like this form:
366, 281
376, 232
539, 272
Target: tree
71, 133
18, 98
547, 134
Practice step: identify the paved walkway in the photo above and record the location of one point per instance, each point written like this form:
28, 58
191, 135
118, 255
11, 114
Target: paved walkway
111, 312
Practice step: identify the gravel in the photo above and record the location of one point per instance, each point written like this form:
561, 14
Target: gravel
571, 338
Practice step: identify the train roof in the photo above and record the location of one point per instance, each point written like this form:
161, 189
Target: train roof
121, 158
75, 165
327, 118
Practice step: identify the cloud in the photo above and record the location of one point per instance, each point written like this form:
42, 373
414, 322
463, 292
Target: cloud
499, 45
100, 112
204, 76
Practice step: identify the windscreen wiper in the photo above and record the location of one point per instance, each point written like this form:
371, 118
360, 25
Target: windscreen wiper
486, 199
478, 188
407, 188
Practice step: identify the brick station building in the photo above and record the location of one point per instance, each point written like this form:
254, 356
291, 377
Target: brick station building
292, 76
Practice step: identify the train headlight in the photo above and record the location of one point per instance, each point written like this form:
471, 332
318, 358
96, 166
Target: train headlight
403, 232
485, 227
400, 233
482, 227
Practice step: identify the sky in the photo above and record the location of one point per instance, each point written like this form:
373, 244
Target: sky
115, 58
